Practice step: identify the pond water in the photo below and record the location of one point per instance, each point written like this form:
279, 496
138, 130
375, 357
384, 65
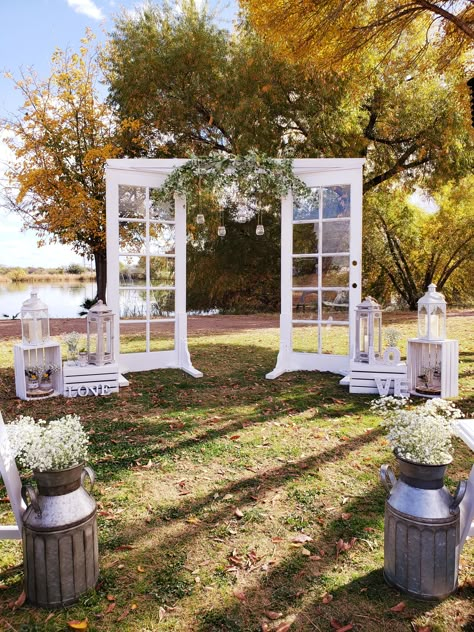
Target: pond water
62, 299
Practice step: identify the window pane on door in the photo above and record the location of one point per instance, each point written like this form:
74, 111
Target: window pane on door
132, 238
161, 303
132, 337
335, 339
335, 271
132, 270
132, 304
335, 305
161, 271
162, 336
305, 338
337, 201
131, 201
160, 209
162, 239
305, 305
307, 207
336, 236
305, 272
305, 238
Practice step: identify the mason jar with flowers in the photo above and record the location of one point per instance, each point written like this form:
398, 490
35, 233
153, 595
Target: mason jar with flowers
60, 517
422, 519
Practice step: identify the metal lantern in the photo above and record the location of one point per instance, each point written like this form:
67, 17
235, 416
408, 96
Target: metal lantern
34, 321
432, 315
368, 330
100, 334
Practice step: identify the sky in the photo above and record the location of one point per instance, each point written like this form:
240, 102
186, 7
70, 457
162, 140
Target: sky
30, 32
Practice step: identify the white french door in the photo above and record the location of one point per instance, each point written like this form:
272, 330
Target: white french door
320, 267
146, 255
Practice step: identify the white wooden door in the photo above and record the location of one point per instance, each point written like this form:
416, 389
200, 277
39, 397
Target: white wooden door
321, 267
146, 268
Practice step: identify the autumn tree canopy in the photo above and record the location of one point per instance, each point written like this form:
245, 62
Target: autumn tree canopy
345, 34
60, 140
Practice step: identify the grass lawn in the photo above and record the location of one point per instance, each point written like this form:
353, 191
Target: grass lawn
205, 488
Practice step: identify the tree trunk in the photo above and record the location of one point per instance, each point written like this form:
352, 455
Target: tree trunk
100, 258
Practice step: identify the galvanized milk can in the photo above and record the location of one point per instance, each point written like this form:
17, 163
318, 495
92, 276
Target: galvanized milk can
422, 530
60, 547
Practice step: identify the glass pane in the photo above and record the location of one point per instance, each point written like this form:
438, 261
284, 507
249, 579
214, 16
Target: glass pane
305, 272
336, 236
132, 338
305, 238
162, 336
335, 305
132, 304
161, 303
131, 201
132, 270
307, 207
337, 201
335, 271
162, 239
305, 305
335, 339
132, 237
161, 271
160, 210
305, 338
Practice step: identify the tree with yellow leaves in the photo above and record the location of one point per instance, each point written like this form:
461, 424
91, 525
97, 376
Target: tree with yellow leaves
60, 139
338, 33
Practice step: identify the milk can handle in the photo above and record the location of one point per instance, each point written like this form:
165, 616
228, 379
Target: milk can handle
387, 477
458, 496
26, 491
88, 471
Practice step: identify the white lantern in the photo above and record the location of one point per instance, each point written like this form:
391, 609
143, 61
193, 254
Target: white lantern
432, 315
100, 334
34, 321
368, 331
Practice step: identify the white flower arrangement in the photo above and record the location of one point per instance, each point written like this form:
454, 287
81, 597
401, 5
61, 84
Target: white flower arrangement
48, 445
422, 433
392, 336
72, 340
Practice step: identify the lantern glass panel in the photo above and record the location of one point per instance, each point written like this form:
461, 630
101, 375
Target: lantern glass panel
364, 334
422, 322
377, 343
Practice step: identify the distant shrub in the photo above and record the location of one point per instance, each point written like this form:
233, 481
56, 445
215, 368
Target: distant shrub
74, 268
17, 274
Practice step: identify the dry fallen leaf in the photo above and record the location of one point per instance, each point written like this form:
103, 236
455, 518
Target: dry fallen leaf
161, 613
273, 615
302, 538
264, 627
334, 623
239, 594
327, 598
306, 552
124, 547
424, 628
140, 569
238, 513
110, 598
400, 607
124, 614
110, 607
283, 627
346, 628
78, 625
346, 516
20, 601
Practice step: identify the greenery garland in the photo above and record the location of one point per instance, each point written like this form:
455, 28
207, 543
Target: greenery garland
252, 175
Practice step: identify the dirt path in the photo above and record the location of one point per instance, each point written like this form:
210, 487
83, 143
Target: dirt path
199, 325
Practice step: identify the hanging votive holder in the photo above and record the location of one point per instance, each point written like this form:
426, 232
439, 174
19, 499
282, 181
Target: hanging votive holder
200, 219
260, 230
221, 231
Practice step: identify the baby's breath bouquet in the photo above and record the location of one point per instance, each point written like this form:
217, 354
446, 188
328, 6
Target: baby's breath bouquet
48, 445
421, 433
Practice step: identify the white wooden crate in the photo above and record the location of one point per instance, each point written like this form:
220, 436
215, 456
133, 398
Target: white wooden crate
420, 353
81, 381
363, 377
40, 355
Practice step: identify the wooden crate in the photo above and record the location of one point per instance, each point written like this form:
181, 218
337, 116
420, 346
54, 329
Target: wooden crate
420, 353
364, 377
28, 355
83, 381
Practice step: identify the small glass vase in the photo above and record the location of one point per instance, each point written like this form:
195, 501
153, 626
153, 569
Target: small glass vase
32, 384
46, 384
83, 358
71, 356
